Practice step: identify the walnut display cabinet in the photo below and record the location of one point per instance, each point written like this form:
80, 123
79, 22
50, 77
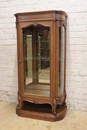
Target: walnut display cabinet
41, 45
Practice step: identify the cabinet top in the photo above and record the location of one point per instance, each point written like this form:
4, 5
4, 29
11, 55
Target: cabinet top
41, 12
41, 15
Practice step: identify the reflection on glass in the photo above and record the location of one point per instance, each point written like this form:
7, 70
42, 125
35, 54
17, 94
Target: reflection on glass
36, 52
61, 60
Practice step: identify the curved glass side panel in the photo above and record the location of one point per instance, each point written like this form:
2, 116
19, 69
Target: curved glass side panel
61, 60
36, 55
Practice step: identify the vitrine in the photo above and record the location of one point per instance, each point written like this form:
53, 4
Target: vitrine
41, 45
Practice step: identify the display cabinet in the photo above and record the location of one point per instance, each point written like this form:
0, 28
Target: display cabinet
41, 45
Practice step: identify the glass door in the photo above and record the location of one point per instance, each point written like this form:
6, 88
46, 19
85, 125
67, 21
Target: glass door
36, 60
61, 59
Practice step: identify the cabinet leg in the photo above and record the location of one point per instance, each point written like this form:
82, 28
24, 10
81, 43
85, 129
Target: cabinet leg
20, 106
54, 107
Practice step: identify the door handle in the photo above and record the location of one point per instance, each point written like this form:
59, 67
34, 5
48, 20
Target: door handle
20, 61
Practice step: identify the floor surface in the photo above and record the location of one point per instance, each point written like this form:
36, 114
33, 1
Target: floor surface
74, 120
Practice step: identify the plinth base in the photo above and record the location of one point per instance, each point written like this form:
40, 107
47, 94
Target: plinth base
41, 111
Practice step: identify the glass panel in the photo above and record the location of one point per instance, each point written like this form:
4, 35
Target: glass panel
44, 57
36, 53
61, 60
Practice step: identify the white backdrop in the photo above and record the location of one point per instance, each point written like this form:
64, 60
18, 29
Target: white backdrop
76, 78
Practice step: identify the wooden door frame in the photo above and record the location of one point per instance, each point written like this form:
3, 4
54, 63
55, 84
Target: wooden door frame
22, 25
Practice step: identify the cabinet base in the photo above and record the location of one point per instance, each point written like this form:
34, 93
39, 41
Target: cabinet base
42, 112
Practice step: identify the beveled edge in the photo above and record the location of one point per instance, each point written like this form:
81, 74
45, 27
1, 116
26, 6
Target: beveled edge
44, 11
